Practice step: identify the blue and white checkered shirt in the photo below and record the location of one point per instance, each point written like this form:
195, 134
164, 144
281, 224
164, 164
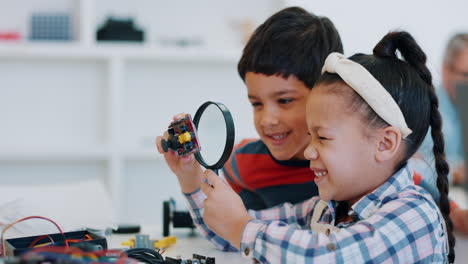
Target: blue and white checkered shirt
398, 222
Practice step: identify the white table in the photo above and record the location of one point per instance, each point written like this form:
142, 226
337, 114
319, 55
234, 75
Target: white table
184, 248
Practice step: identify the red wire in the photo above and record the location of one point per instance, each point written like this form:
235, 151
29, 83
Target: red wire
38, 239
26, 218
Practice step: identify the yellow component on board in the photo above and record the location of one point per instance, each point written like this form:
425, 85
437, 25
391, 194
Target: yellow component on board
165, 242
185, 137
129, 243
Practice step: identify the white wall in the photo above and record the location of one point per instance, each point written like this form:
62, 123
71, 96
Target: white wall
362, 23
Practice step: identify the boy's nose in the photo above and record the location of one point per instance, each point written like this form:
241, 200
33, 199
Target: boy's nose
269, 119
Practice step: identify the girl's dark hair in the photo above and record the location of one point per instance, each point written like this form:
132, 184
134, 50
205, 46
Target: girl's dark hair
409, 81
292, 41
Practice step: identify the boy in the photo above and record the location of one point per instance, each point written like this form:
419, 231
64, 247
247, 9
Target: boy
280, 64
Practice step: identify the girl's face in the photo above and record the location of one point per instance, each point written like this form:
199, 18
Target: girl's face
279, 113
341, 149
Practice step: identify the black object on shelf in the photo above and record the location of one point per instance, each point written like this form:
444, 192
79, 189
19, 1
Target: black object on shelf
119, 30
179, 219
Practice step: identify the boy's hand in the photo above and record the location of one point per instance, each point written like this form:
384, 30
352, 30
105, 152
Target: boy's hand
224, 212
187, 169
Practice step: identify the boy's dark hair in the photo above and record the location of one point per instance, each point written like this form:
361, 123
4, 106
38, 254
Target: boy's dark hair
292, 41
409, 81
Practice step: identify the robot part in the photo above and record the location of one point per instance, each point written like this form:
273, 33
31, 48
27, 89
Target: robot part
182, 137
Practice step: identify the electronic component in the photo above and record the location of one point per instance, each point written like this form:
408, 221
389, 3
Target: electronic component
196, 259
126, 229
182, 137
85, 240
143, 241
177, 218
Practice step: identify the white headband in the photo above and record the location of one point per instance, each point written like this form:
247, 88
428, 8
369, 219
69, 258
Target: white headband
379, 99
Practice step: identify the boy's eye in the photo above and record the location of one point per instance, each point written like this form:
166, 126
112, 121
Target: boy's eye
255, 104
285, 101
323, 138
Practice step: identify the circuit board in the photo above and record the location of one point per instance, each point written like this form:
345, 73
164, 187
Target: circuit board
183, 136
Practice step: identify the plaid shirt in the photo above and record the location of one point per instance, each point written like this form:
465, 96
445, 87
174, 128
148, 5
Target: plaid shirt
397, 222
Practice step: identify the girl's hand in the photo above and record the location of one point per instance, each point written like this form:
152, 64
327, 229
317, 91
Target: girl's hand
187, 169
224, 212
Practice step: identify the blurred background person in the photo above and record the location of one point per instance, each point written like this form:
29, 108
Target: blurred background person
454, 73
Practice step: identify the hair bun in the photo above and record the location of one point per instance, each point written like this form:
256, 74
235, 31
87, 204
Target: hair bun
408, 48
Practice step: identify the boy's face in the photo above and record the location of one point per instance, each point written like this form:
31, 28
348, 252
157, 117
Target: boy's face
279, 113
341, 151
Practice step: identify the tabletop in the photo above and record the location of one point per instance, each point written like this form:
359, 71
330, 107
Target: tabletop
188, 243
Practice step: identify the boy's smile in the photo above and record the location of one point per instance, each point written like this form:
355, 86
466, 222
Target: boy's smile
279, 113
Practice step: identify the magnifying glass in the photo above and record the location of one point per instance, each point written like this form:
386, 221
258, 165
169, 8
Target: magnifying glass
210, 137
211, 140
215, 129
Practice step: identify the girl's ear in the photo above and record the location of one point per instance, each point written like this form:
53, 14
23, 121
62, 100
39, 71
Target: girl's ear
388, 143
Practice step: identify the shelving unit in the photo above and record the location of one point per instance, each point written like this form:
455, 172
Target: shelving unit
96, 108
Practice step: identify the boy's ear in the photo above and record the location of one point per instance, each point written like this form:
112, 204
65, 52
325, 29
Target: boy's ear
388, 143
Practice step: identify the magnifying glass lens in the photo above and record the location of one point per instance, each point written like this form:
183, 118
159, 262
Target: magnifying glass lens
212, 134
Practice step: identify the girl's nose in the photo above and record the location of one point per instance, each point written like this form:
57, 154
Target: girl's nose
310, 153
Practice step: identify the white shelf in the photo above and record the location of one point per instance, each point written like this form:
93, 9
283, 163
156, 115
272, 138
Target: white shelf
80, 109
41, 50
54, 154
106, 51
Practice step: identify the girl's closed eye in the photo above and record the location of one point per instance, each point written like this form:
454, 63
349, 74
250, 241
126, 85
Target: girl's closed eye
285, 100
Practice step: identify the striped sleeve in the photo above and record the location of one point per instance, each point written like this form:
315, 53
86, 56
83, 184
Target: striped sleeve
287, 213
299, 213
195, 201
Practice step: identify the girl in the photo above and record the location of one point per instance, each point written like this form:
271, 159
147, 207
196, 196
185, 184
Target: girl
367, 115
